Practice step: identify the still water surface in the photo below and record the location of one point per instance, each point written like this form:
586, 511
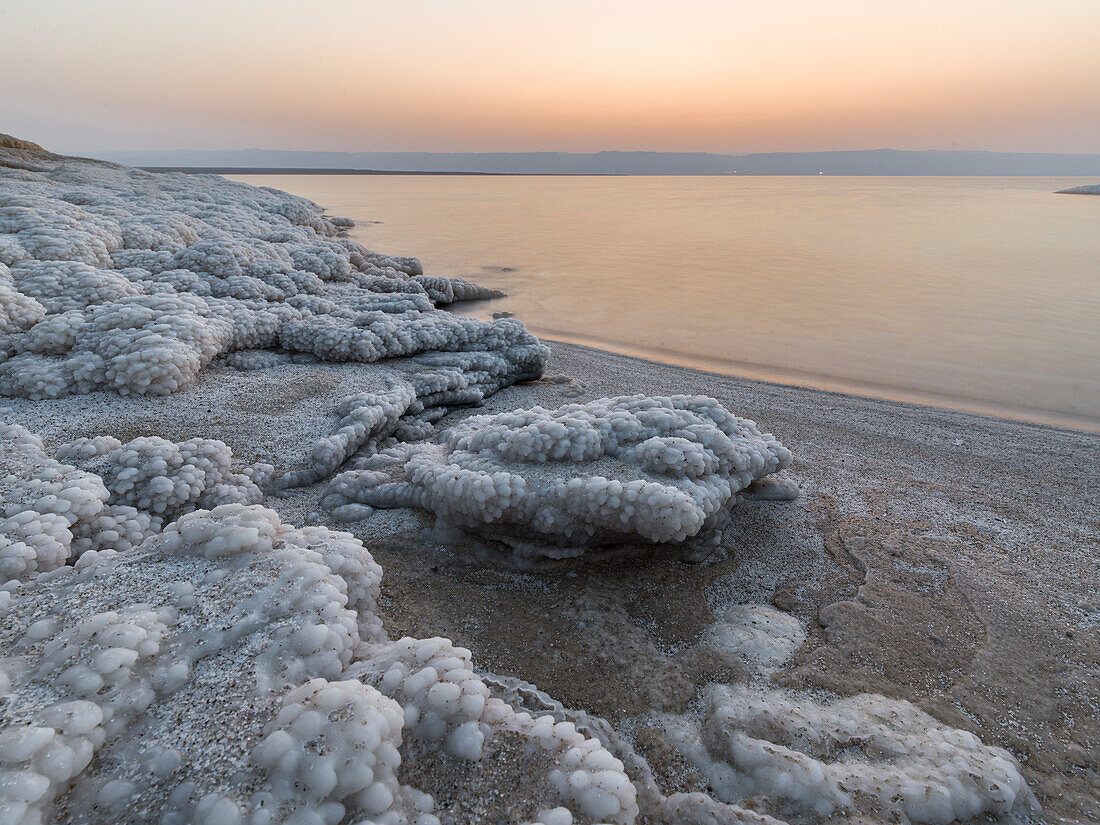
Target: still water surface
975, 293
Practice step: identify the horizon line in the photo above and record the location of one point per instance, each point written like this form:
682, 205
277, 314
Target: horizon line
599, 151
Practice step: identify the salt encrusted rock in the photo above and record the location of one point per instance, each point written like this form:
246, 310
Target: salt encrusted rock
234, 669
50, 512
363, 418
436, 382
863, 755
163, 479
451, 290
658, 469
899, 761
116, 279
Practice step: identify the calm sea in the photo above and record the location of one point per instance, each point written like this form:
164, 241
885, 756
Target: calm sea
973, 293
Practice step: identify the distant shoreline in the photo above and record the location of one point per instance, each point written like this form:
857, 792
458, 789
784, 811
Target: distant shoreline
298, 170
845, 162
250, 170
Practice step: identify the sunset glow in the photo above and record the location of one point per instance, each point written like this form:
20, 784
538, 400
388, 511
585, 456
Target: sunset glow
713, 76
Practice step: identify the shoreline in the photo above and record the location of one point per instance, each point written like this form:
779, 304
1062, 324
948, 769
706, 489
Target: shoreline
799, 380
1041, 373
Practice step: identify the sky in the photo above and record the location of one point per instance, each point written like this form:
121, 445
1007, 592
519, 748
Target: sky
524, 75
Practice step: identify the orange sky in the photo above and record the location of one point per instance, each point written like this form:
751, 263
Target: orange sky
499, 75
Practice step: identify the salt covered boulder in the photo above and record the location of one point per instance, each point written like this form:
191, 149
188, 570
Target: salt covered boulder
554, 482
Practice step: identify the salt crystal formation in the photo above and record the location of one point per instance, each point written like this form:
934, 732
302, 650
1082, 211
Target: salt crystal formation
234, 669
106, 495
555, 482
165, 479
52, 512
813, 760
113, 278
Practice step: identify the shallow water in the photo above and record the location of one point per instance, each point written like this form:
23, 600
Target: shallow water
973, 293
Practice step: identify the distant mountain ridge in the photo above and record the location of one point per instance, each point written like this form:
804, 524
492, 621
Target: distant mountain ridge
854, 162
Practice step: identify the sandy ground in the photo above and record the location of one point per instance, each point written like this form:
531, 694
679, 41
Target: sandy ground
938, 556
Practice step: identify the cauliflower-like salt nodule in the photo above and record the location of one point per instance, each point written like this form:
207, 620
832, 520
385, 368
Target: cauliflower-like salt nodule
84, 449
225, 531
434, 681
863, 755
315, 704
331, 742
51, 512
161, 477
345, 556
658, 469
64, 285
17, 311
445, 701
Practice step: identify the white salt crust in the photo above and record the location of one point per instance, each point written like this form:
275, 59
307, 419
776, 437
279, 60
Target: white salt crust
555, 482
113, 278
51, 513
100, 690
864, 755
107, 495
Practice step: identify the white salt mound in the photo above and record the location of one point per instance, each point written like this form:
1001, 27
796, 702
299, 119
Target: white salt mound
865, 755
51, 513
113, 278
634, 467
234, 669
